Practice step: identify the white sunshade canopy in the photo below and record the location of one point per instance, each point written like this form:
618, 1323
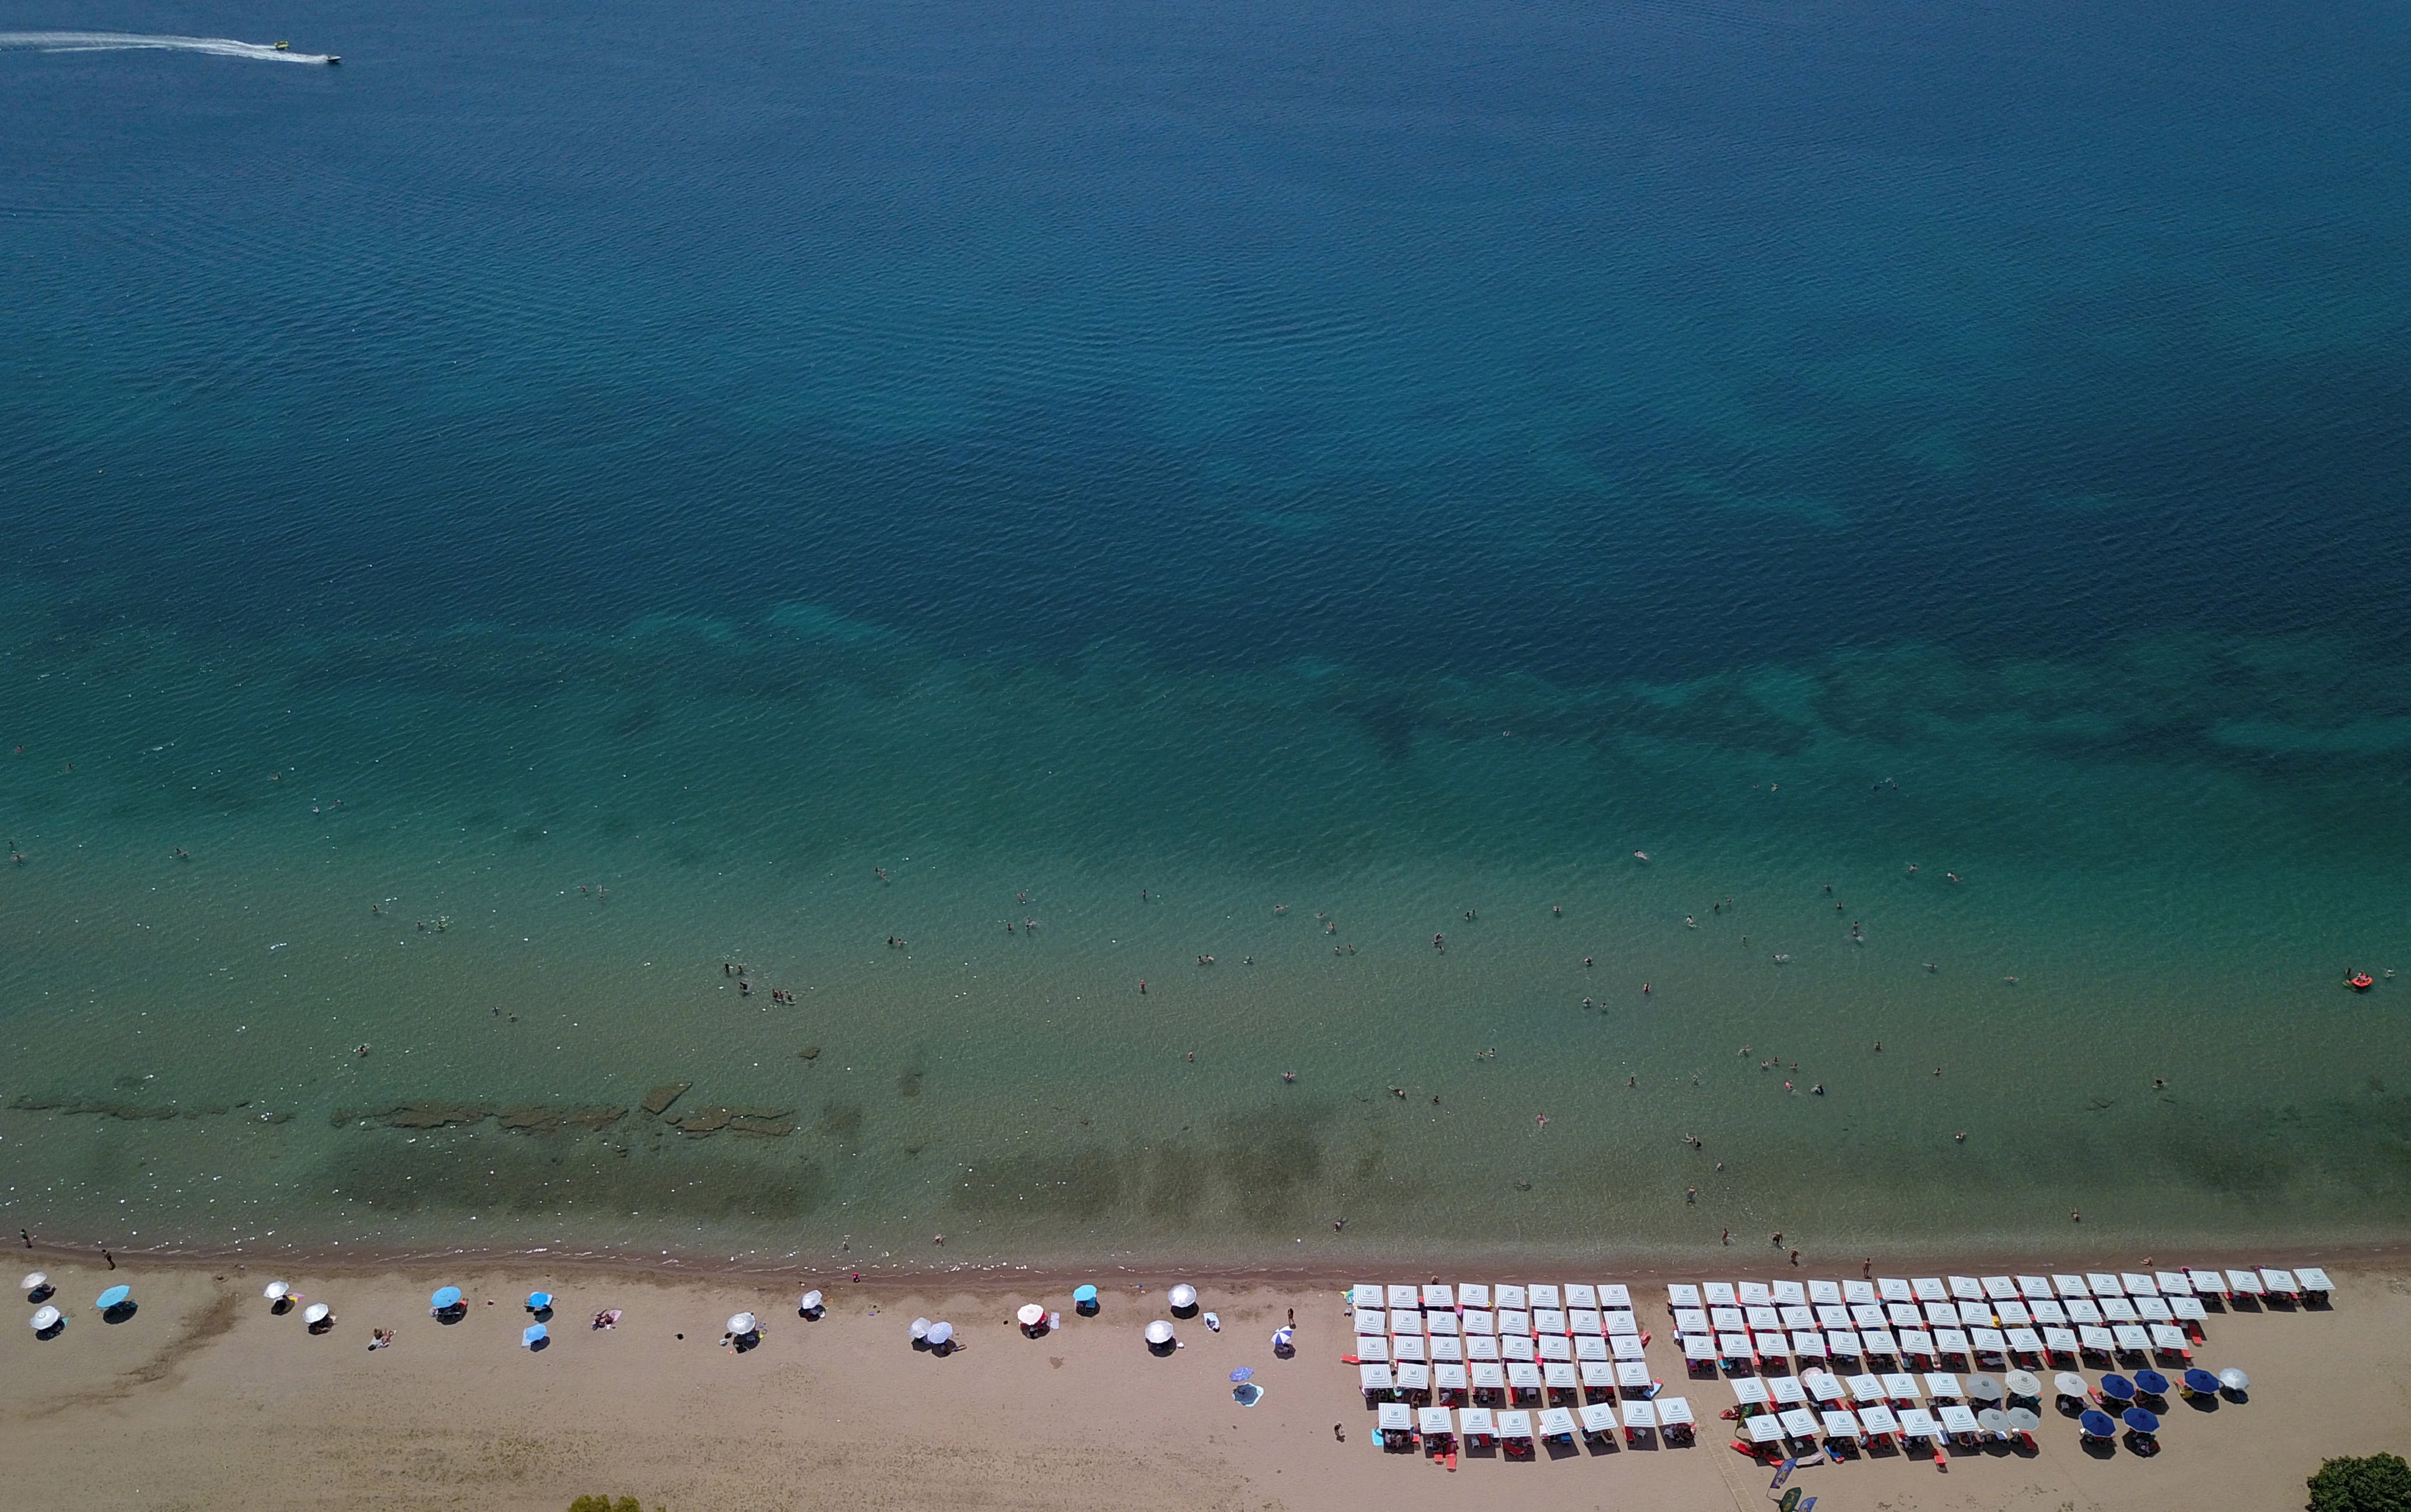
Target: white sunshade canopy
2081, 1311
1966, 1287
1555, 1421
1431, 1421
45, 1318
1900, 1386
1720, 1294
1544, 1294
1632, 1375
1755, 1294
1674, 1412
1615, 1294
1374, 1350
1596, 1417
741, 1324
1894, 1289
1786, 1391
2071, 1286
1591, 1346
2035, 1289
1957, 1418
1364, 1294
2172, 1283
1597, 1375
1919, 1423
1478, 1320
1699, 1349
1692, 1320
2168, 1337
1627, 1348
1406, 1346
2206, 1282
1439, 1296
2312, 1278
1396, 1416
1929, 1289
1518, 1346
1185, 1295
1749, 1391
2188, 1308
2245, 1282
2104, 1283
1514, 1425
2000, 1288
1640, 1415
1941, 1384
314, 1312
1159, 1332
1487, 1375
1509, 1295
2136, 1284
1414, 1377
1841, 1423
1800, 1423
1557, 1375
1372, 1320
1476, 1421
1406, 1297
1856, 1293
1473, 1294
1449, 1378
1791, 1294
2117, 1310
1878, 1418
1763, 1429
1824, 1294
1580, 1294
1549, 1321
1866, 1387
1683, 1294
1523, 1376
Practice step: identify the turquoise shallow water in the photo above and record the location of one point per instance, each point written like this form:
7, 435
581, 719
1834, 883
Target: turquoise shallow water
549, 511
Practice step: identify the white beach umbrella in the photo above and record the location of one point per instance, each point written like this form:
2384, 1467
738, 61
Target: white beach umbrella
741, 1324
2234, 1380
1183, 1296
920, 1328
1159, 1333
275, 1291
35, 1280
45, 1319
941, 1332
314, 1312
1031, 1315
812, 1302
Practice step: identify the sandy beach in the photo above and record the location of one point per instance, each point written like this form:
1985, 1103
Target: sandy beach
206, 1400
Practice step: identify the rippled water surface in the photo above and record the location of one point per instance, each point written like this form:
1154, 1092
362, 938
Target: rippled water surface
964, 509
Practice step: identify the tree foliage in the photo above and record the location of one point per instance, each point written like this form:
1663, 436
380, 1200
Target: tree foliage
605, 1503
2376, 1483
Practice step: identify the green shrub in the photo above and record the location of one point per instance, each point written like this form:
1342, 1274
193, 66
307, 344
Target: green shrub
605, 1503
2380, 1483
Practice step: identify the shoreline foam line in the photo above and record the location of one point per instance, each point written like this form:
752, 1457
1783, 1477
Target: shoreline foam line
128, 41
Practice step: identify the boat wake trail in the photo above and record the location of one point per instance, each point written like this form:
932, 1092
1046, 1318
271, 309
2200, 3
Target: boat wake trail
124, 41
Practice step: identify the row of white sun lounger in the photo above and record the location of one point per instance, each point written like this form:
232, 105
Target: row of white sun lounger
2307, 1284
1598, 1419
1592, 1376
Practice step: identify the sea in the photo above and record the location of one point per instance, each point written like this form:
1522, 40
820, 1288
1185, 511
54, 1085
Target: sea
988, 632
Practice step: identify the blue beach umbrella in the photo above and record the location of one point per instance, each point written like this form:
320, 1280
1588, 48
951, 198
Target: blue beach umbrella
538, 1300
2151, 1382
2095, 1424
446, 1297
2202, 1381
2140, 1421
113, 1297
2117, 1388
1084, 1294
532, 1335
1243, 1372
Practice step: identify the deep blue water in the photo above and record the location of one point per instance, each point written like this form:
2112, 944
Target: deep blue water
1585, 340
1384, 458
